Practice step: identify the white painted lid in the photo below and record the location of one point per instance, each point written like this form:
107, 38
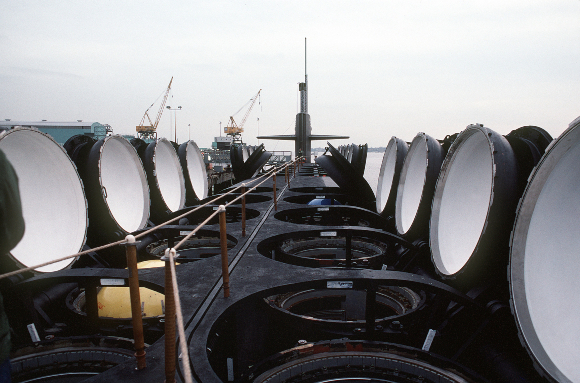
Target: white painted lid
53, 200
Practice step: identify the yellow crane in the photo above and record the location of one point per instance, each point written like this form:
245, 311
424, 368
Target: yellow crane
233, 129
150, 131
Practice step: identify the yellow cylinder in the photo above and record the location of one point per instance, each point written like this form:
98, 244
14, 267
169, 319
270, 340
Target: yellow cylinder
115, 301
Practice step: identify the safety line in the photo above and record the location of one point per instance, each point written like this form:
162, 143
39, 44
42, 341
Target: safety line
122, 241
171, 254
210, 298
179, 316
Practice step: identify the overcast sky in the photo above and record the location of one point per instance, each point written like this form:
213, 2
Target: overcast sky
375, 68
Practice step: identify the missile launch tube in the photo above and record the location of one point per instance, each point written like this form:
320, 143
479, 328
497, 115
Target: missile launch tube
193, 171
543, 270
119, 196
389, 176
165, 177
52, 196
475, 195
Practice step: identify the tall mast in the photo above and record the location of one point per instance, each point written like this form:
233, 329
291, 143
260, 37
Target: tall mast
303, 86
303, 136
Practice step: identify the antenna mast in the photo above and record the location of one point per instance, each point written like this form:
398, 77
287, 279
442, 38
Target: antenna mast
303, 87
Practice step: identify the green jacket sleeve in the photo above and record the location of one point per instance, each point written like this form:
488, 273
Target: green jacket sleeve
11, 231
11, 221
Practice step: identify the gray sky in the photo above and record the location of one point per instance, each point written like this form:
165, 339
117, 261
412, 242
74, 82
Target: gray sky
375, 68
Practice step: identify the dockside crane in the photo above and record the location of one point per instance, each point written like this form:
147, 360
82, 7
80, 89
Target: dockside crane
150, 131
235, 130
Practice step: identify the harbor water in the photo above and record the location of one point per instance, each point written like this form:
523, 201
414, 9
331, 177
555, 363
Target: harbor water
373, 168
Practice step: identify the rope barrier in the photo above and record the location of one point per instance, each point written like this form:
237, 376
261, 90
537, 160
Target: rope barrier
20, 271
123, 241
170, 255
180, 328
170, 277
224, 252
244, 210
170, 356
192, 233
119, 242
201, 225
270, 173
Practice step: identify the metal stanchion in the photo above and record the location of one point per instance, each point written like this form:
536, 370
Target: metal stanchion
287, 179
169, 322
275, 202
135, 302
224, 251
243, 210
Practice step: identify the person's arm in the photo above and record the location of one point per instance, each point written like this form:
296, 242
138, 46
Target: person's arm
11, 220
